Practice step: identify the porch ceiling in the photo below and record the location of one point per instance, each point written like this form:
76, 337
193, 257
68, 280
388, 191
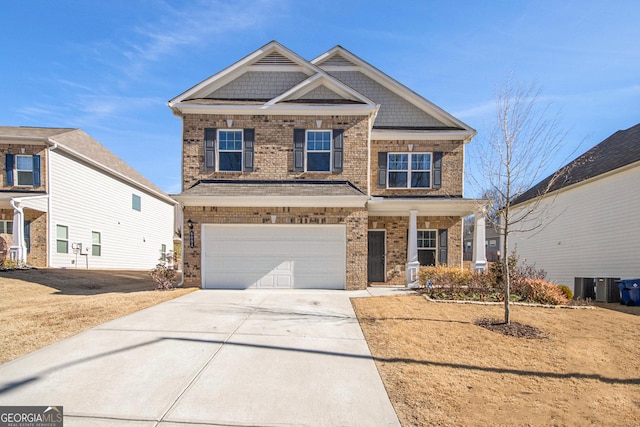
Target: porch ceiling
379, 206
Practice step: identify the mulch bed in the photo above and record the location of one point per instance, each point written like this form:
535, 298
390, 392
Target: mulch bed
513, 329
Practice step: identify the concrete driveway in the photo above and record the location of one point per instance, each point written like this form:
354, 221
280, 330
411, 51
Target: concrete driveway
239, 358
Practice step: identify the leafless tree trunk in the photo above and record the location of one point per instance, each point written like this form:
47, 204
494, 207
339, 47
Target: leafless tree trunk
523, 142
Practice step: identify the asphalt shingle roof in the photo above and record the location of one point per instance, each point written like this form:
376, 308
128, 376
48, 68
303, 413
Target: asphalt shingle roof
620, 149
80, 142
272, 189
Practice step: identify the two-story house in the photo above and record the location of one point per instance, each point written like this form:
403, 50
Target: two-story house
317, 174
68, 202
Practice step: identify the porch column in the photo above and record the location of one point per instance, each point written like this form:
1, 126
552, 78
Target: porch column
479, 262
18, 251
412, 251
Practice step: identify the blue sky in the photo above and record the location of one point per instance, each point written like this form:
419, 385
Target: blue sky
109, 67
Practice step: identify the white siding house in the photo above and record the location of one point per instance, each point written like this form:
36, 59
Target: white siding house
593, 219
91, 210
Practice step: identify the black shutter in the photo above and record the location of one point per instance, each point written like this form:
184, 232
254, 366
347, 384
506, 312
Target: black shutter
338, 149
37, 182
437, 169
298, 150
382, 169
9, 169
443, 244
247, 152
209, 149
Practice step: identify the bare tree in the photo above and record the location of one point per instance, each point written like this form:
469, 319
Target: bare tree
524, 140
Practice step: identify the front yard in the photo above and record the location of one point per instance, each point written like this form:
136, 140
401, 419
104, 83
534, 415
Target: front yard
40, 307
439, 368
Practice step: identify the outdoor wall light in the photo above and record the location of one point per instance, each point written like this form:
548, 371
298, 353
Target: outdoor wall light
190, 224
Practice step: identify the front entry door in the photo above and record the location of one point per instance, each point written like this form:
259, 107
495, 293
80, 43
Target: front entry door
376, 260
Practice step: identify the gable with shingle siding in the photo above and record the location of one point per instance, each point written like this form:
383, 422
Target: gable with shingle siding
394, 110
259, 85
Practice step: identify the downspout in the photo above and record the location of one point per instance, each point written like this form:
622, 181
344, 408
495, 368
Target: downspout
49, 222
18, 247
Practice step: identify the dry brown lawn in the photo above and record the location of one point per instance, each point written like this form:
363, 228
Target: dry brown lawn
440, 369
40, 307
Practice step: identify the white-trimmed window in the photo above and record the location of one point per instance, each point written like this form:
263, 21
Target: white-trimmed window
96, 243
230, 150
427, 245
409, 170
24, 170
62, 239
136, 202
318, 150
6, 227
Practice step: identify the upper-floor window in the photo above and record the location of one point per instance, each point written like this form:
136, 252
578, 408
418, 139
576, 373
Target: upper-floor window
136, 202
409, 170
317, 150
228, 150
22, 170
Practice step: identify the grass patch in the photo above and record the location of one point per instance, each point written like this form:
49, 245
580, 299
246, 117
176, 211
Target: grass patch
440, 368
40, 307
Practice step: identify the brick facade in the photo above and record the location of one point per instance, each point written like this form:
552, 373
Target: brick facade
396, 241
273, 147
37, 256
29, 150
354, 219
452, 166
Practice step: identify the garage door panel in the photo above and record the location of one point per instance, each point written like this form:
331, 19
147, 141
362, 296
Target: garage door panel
243, 256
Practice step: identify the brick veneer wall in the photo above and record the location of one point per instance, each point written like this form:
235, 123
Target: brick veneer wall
37, 257
354, 218
30, 150
273, 147
452, 166
396, 230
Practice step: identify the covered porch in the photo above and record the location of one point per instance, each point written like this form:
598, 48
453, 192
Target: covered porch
23, 217
407, 232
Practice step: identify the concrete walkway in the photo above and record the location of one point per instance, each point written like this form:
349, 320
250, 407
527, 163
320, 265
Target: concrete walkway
231, 358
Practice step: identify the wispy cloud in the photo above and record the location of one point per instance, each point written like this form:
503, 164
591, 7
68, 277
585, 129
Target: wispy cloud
197, 24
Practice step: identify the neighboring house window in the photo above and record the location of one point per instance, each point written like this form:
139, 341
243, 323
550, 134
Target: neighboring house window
409, 170
318, 150
228, 150
22, 170
6, 227
163, 252
427, 247
136, 202
96, 243
492, 243
62, 239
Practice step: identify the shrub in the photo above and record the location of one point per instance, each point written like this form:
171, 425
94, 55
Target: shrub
542, 292
566, 291
164, 277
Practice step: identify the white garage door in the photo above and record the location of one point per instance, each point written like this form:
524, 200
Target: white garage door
274, 256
